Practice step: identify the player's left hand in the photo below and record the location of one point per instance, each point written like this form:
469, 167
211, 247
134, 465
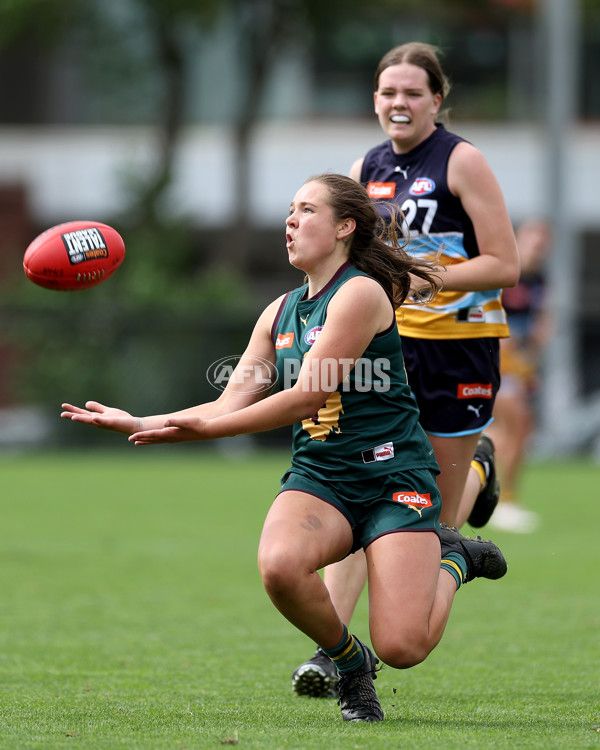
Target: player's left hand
419, 290
175, 430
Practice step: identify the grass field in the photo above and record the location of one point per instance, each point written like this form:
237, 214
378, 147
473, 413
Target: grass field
132, 616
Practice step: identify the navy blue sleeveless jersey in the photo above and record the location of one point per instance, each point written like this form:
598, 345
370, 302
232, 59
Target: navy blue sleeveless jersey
369, 424
438, 228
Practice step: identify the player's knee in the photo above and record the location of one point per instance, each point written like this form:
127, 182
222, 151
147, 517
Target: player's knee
402, 655
278, 569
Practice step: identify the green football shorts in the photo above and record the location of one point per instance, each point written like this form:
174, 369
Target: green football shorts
404, 501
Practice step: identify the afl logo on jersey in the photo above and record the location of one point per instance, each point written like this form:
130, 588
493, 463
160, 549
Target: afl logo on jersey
422, 186
311, 336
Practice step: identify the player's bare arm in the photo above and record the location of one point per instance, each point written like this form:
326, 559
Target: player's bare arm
356, 313
238, 393
471, 179
356, 169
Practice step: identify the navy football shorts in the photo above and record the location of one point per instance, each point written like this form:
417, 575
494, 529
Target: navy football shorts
454, 381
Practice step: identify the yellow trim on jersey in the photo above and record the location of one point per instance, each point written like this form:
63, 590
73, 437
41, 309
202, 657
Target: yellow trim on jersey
328, 418
424, 322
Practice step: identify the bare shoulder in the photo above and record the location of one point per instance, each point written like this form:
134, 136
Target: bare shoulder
356, 169
268, 315
468, 169
360, 298
466, 156
273, 307
363, 285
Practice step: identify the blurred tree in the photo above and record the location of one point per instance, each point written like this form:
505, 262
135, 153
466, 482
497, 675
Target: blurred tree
42, 21
265, 28
166, 22
142, 52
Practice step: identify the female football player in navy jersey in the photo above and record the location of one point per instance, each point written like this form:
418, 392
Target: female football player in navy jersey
454, 213
363, 472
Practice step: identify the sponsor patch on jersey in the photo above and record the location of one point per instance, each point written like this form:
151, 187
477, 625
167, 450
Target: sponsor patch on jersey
475, 314
284, 340
474, 390
415, 499
422, 186
378, 190
311, 336
383, 452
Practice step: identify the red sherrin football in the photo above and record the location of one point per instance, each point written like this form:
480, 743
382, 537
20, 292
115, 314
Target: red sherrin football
74, 255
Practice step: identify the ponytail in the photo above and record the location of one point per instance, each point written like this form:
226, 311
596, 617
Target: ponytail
377, 246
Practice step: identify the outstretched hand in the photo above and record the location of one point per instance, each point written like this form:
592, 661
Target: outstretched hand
175, 430
104, 417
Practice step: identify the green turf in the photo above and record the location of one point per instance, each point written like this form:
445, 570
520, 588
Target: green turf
132, 616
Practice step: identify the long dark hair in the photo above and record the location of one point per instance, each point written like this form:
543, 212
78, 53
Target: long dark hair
376, 245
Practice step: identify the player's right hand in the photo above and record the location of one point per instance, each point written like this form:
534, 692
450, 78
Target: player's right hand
104, 417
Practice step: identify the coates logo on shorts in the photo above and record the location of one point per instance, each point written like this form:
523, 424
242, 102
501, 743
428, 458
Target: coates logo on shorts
311, 336
254, 375
422, 186
475, 390
414, 500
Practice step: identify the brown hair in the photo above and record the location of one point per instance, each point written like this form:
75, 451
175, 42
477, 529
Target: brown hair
424, 56
376, 245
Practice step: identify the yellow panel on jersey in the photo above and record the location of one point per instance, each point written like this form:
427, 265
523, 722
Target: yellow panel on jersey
469, 322
327, 418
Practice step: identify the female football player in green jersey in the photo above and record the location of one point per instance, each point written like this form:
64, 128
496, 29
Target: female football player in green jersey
453, 212
363, 473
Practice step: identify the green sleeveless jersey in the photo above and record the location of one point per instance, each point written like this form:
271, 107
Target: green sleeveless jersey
369, 425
